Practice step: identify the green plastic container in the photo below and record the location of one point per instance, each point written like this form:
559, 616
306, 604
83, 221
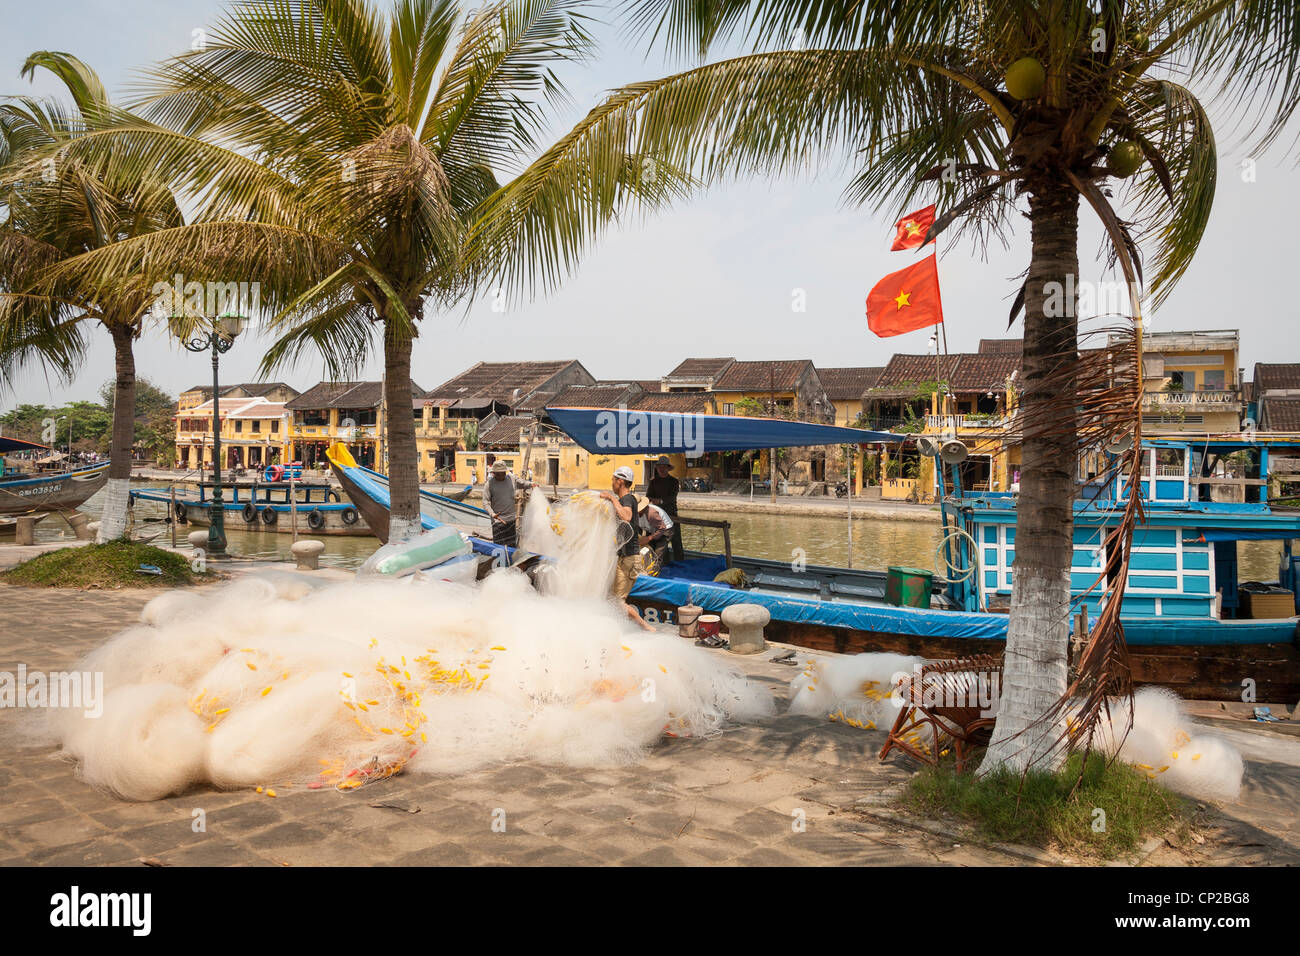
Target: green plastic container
908, 587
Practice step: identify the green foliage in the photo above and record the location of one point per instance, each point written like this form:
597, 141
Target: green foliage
112, 565
155, 429
89, 422
1045, 809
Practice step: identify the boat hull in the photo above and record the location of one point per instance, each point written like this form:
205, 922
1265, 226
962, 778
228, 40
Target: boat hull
368, 491
334, 525
63, 491
1208, 660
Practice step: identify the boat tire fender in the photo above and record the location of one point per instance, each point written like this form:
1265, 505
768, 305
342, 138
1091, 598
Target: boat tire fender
349, 516
315, 519
269, 516
182, 514
250, 513
332, 495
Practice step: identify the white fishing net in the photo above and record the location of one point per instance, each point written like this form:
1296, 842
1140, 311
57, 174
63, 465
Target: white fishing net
272, 681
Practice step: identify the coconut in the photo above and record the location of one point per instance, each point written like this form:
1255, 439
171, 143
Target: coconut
1025, 78
1125, 158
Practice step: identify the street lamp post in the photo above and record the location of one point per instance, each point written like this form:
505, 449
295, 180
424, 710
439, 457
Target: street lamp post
219, 340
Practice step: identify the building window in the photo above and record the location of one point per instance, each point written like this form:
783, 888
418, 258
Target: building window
1213, 379
431, 453
257, 425
728, 408
1176, 381
275, 425
239, 426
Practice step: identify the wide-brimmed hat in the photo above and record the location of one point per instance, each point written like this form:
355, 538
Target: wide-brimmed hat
642, 502
664, 460
499, 468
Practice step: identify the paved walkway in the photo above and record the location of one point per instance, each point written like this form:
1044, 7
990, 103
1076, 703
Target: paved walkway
779, 792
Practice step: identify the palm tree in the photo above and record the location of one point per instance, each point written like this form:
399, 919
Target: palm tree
52, 211
352, 165
914, 95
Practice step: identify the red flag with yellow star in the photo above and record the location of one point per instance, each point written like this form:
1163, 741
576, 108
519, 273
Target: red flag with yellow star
905, 300
911, 229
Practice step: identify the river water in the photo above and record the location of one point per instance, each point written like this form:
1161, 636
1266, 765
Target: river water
878, 542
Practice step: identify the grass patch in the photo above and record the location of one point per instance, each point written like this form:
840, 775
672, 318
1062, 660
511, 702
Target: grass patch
1039, 810
110, 565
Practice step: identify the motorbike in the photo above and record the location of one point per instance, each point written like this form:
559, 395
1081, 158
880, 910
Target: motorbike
841, 489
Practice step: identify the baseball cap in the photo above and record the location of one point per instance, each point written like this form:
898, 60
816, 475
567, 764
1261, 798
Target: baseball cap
624, 472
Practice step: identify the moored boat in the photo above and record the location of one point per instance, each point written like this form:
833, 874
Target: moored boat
312, 508
25, 492
368, 491
1189, 624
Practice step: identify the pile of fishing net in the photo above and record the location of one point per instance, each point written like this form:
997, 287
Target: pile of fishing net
581, 534
1165, 744
857, 690
271, 681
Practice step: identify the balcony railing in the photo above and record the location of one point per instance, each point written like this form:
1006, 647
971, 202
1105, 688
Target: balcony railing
941, 423
1224, 398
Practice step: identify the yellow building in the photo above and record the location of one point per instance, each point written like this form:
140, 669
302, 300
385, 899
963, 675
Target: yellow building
969, 396
253, 433
555, 460
1191, 383
350, 412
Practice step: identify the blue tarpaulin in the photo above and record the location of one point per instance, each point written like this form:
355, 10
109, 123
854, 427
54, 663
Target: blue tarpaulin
620, 431
877, 618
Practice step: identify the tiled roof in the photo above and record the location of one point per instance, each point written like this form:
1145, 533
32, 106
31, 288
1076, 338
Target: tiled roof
345, 395
697, 369
753, 376
981, 372
237, 408
848, 383
595, 396
963, 371
682, 402
505, 382
1270, 376
505, 431
1281, 414
647, 385
1001, 346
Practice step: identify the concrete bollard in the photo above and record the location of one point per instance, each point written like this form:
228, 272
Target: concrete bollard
81, 526
745, 623
25, 530
307, 554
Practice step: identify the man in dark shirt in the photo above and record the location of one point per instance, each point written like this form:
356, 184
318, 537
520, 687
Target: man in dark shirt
629, 549
662, 491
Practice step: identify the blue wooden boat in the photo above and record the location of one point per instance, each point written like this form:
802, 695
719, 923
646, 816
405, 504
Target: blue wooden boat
1184, 611
24, 490
263, 506
368, 490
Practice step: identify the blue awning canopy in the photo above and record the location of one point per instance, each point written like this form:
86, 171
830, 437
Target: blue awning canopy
621, 431
17, 444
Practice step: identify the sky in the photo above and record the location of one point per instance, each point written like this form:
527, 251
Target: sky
719, 275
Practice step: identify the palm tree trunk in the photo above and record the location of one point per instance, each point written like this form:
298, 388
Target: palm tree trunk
403, 466
117, 493
1035, 670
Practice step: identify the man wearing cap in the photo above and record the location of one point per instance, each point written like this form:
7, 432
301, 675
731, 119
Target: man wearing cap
662, 491
656, 529
629, 551
499, 503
